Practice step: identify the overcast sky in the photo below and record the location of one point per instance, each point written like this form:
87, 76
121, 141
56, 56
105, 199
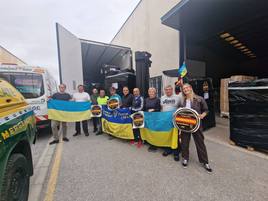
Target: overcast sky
28, 26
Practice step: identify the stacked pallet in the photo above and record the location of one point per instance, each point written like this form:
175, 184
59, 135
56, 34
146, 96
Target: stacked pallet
224, 98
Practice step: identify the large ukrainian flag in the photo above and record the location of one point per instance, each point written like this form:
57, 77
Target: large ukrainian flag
159, 130
68, 111
117, 122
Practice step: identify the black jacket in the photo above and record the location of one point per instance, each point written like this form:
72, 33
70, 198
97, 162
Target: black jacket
127, 101
152, 103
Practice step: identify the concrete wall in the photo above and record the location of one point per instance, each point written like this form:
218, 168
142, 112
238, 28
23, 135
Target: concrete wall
143, 31
8, 58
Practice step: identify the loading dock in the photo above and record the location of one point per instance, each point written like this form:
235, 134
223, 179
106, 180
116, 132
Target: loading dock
229, 37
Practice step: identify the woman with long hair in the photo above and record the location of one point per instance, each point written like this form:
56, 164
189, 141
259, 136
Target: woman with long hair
197, 103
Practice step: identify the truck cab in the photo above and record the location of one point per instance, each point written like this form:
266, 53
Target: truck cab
17, 133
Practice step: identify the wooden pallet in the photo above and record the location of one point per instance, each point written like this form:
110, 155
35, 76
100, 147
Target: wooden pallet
249, 148
224, 115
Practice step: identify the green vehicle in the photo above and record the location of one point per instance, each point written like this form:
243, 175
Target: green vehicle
17, 133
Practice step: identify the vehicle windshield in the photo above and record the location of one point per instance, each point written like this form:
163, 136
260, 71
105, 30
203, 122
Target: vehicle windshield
30, 85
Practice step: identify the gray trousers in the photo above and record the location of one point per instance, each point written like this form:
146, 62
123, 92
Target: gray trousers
55, 131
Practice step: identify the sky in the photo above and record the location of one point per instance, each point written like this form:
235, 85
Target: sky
28, 27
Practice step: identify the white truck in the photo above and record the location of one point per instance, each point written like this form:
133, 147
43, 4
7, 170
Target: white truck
35, 84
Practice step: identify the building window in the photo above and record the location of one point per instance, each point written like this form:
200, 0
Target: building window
156, 82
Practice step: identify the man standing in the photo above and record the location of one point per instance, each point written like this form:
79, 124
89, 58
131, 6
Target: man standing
102, 100
114, 95
81, 96
93, 98
127, 98
137, 105
62, 95
170, 102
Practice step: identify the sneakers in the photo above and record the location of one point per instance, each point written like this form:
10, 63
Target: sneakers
176, 158
76, 134
132, 142
65, 139
54, 142
139, 144
165, 153
184, 163
99, 133
95, 130
152, 148
207, 167
87, 134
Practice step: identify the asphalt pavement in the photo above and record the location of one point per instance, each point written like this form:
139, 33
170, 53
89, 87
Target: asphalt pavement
95, 168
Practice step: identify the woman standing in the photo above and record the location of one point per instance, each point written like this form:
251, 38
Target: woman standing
197, 103
152, 104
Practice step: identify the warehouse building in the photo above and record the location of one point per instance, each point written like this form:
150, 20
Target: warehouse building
8, 58
143, 31
216, 39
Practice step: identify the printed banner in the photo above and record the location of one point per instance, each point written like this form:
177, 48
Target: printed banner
68, 111
138, 119
96, 110
186, 119
117, 123
159, 130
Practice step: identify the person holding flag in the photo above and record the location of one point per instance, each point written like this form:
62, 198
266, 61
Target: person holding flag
171, 102
61, 95
197, 103
137, 105
81, 96
93, 98
101, 100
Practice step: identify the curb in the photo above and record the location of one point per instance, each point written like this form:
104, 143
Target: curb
40, 172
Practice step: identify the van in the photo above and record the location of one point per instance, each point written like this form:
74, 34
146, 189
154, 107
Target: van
36, 85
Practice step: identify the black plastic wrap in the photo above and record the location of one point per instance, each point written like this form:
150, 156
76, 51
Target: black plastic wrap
248, 107
198, 87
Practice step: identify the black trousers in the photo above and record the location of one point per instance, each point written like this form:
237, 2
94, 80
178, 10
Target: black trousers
137, 135
199, 143
174, 151
95, 122
78, 128
99, 123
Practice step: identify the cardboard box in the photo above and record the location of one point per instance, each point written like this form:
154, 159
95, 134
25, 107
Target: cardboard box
240, 78
224, 101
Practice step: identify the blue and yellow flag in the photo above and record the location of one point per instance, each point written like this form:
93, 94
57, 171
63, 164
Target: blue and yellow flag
68, 111
182, 70
159, 130
117, 122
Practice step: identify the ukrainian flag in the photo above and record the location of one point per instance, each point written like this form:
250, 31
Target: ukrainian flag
68, 111
182, 70
117, 122
159, 130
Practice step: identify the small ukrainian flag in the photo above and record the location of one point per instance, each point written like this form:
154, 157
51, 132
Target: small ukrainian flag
182, 70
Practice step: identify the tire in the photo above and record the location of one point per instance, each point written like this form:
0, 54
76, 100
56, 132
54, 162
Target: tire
16, 179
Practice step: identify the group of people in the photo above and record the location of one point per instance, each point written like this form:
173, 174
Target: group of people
135, 102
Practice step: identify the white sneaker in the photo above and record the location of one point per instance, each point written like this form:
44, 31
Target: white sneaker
184, 163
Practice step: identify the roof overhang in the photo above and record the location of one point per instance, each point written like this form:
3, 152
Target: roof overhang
203, 21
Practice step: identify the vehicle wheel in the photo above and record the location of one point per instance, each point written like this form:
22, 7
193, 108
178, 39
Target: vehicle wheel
16, 179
